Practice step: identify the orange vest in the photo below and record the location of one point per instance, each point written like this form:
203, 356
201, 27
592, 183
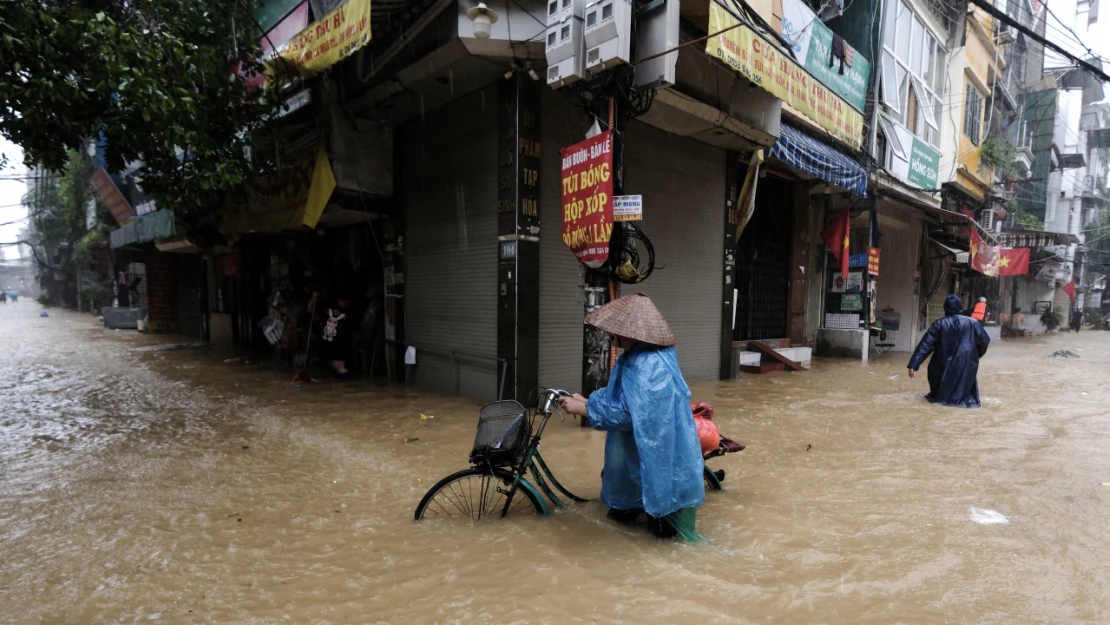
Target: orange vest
979, 311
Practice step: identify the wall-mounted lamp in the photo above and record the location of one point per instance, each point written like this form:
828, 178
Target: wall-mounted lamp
483, 17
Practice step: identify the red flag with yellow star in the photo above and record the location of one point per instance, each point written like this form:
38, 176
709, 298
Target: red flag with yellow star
1013, 261
984, 258
836, 237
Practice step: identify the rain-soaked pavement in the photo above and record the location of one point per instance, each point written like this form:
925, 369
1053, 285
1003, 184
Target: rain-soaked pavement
172, 486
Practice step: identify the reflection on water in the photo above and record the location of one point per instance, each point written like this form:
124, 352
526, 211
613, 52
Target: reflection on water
173, 486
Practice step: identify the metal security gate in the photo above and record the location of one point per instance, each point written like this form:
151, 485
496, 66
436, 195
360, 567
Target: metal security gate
561, 305
682, 182
449, 191
763, 265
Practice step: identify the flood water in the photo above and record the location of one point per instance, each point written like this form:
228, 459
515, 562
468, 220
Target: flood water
172, 486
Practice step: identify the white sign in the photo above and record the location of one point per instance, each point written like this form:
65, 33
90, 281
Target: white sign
628, 208
1094, 299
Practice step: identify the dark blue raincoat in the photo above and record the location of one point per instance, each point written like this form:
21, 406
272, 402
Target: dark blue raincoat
653, 457
956, 343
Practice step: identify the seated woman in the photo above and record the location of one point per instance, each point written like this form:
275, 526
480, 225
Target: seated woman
653, 459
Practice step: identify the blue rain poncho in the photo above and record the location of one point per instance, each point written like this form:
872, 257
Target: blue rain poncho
956, 343
653, 458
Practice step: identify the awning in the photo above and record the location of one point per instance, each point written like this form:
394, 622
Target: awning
802, 152
962, 256
149, 227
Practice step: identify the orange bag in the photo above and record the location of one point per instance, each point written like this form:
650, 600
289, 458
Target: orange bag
708, 434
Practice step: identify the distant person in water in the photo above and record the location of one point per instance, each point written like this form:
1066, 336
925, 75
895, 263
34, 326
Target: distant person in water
14, 294
1076, 320
979, 313
956, 344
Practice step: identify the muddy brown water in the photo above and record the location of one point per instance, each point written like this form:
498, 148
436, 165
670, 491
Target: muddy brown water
171, 486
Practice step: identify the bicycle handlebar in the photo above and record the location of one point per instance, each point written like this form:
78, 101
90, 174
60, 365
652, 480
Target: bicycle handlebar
552, 400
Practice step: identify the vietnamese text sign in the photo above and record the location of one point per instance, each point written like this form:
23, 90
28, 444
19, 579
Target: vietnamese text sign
108, 193
327, 41
813, 48
924, 165
873, 261
587, 181
628, 208
773, 70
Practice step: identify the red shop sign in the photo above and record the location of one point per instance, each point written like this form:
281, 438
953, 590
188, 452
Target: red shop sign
873, 261
588, 198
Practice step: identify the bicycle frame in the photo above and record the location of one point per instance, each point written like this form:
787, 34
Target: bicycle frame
532, 463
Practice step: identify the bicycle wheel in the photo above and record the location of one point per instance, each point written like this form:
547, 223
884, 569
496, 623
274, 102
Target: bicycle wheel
477, 494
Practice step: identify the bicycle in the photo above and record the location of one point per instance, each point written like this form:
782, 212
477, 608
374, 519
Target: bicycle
505, 451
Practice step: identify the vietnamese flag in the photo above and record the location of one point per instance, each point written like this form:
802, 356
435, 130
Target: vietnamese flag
1069, 288
1013, 261
984, 258
836, 237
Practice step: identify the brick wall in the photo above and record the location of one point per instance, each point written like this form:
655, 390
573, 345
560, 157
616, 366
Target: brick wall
161, 293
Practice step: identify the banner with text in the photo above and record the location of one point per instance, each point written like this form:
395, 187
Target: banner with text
773, 70
326, 41
838, 65
587, 181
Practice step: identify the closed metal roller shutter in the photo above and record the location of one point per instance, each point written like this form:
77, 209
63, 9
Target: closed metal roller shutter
561, 306
683, 184
449, 177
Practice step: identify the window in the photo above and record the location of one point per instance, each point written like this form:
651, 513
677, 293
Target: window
553, 7
973, 114
607, 11
551, 39
911, 109
912, 72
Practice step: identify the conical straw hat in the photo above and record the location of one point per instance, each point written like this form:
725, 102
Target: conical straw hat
633, 316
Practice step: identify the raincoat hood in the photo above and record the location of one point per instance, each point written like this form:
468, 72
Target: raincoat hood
953, 306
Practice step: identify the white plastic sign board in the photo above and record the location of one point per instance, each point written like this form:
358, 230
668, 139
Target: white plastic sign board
628, 208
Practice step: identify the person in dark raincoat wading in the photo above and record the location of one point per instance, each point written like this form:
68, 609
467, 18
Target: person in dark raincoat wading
956, 343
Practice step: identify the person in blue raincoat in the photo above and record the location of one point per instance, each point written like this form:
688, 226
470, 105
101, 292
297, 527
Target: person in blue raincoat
653, 460
956, 343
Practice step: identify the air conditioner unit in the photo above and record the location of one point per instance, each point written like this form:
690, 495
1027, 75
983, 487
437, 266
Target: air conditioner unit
1006, 34
988, 219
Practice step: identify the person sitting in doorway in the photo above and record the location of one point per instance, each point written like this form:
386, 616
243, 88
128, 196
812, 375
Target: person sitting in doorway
653, 458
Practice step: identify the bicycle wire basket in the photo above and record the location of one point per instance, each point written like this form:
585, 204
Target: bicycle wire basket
503, 430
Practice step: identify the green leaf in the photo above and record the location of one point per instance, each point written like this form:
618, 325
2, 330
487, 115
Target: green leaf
146, 115
100, 16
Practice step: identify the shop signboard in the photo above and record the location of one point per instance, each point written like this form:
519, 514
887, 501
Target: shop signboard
851, 301
1094, 299
857, 260
764, 64
110, 195
587, 183
628, 208
295, 21
813, 48
326, 41
873, 261
924, 165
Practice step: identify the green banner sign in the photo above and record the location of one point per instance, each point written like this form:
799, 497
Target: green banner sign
852, 84
924, 165
845, 73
